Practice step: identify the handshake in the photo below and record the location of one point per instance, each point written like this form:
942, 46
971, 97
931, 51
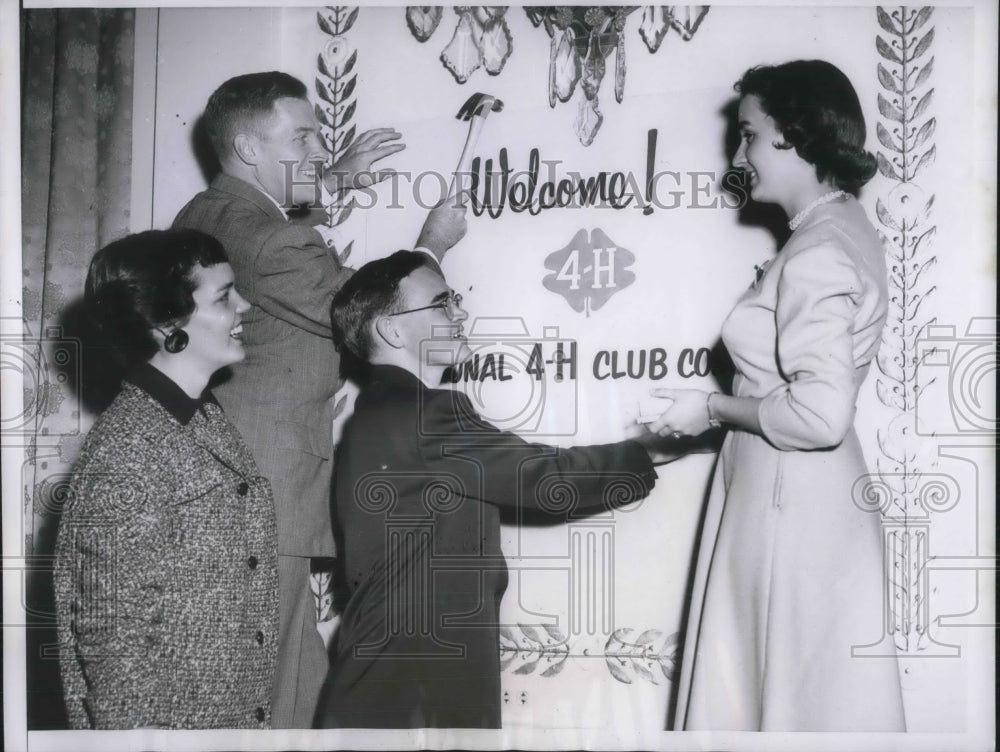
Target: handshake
683, 428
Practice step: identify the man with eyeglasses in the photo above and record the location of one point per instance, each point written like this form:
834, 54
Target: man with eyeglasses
420, 483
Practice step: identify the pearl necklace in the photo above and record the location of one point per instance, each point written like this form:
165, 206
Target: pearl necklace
826, 198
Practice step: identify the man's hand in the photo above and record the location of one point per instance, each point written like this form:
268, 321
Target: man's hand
662, 450
445, 225
354, 168
659, 449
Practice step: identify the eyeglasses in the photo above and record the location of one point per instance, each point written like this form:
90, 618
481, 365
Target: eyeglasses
449, 305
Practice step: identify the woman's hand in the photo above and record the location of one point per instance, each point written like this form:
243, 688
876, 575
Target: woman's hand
687, 416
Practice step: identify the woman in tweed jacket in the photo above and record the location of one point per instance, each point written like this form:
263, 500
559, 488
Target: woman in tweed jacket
166, 562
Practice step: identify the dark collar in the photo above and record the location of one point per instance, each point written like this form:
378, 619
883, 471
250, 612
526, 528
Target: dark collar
386, 374
162, 388
393, 386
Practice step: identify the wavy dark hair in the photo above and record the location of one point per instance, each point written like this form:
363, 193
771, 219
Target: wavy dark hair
816, 109
371, 292
239, 105
141, 282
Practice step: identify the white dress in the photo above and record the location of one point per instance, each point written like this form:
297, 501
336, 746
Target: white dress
789, 575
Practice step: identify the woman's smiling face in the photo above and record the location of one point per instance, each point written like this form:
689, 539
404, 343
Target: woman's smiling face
214, 329
775, 174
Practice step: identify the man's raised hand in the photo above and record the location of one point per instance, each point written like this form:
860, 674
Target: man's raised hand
445, 225
355, 168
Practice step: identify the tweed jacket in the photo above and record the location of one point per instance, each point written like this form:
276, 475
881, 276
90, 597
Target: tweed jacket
420, 483
166, 570
279, 397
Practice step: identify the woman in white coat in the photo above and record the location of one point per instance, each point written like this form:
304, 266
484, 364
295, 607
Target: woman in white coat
789, 576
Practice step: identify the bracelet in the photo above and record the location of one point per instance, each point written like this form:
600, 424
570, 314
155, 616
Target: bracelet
712, 420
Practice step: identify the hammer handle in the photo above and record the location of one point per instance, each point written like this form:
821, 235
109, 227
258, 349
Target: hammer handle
465, 163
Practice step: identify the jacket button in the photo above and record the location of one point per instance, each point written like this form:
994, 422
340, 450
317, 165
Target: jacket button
259, 713
252, 562
259, 637
243, 488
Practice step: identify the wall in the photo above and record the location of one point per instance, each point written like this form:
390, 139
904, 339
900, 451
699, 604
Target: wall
689, 263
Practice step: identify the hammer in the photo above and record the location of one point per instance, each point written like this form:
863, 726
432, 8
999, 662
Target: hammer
475, 110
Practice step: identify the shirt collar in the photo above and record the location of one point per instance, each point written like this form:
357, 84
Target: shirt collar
239, 187
164, 390
274, 201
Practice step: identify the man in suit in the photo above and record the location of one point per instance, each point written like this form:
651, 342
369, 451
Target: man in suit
272, 157
420, 483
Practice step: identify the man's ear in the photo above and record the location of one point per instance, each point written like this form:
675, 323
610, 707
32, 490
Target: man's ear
245, 148
385, 328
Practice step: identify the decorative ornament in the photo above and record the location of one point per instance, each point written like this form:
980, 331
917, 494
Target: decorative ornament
593, 68
620, 67
582, 40
423, 20
336, 52
905, 130
685, 19
584, 37
481, 38
496, 43
336, 84
655, 25
463, 55
526, 649
590, 269
565, 66
588, 120
176, 341
335, 87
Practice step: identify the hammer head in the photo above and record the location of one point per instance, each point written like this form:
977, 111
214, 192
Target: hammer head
479, 104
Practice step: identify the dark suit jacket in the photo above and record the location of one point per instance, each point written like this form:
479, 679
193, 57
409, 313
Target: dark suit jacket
419, 486
279, 397
166, 571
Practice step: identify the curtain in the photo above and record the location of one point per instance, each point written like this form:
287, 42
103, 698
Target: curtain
76, 141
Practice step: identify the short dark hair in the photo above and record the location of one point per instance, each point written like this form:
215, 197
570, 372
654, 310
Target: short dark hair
371, 292
242, 102
816, 109
145, 281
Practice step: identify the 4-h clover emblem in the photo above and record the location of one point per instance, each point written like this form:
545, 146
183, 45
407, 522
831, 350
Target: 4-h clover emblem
588, 271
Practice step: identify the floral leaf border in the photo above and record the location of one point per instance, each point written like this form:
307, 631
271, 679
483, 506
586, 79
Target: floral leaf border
526, 649
336, 89
905, 132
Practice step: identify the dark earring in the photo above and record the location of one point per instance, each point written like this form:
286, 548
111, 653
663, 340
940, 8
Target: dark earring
176, 341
